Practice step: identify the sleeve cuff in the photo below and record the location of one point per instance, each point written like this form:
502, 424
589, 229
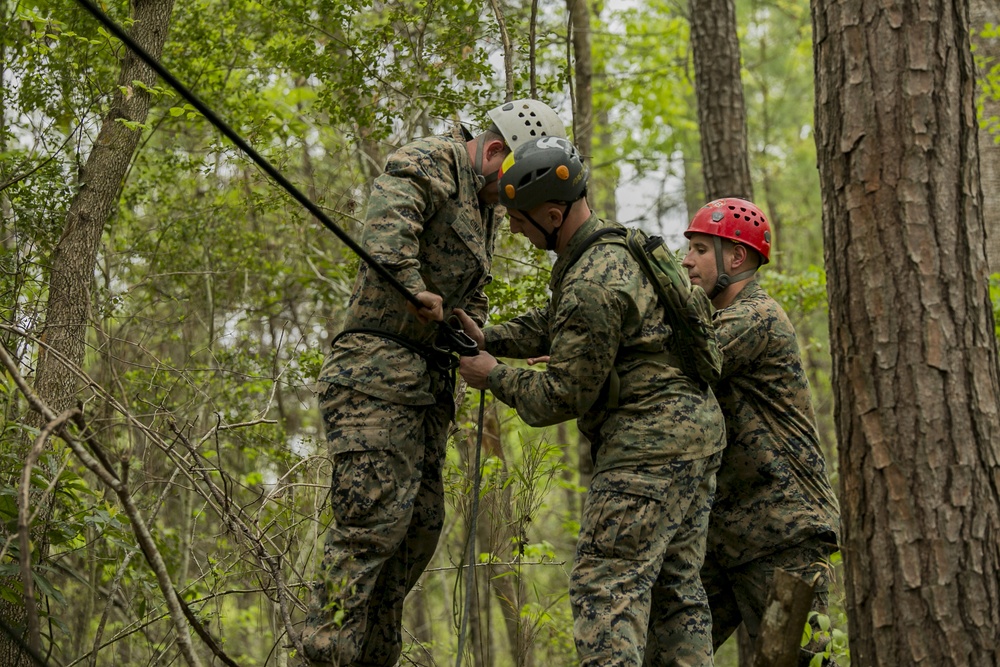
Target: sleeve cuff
497, 378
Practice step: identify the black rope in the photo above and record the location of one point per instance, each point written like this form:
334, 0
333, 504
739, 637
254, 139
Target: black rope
261, 162
470, 555
456, 340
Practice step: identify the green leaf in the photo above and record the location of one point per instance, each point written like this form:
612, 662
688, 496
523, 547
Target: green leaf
824, 622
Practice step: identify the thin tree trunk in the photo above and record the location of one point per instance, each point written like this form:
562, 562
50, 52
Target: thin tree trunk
914, 351
74, 258
981, 14
719, 89
583, 93
75, 255
499, 525
606, 198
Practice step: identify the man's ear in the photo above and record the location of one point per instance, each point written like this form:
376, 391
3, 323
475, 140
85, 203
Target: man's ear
739, 256
555, 215
495, 148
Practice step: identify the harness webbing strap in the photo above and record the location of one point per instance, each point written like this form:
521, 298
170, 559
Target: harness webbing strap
439, 358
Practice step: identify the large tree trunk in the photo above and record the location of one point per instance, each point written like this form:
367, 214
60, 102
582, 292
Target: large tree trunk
981, 14
914, 351
74, 258
583, 93
721, 110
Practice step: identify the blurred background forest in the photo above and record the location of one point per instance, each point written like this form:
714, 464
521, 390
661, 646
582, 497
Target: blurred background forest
214, 296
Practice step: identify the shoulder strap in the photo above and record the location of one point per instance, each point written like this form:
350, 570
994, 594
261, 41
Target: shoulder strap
591, 240
686, 307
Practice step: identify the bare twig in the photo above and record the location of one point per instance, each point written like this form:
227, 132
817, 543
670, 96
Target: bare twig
508, 56
279, 580
268, 556
24, 526
149, 550
146, 542
121, 572
36, 403
232, 519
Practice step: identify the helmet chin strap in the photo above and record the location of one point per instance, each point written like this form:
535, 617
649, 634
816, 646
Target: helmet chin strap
551, 238
490, 178
724, 280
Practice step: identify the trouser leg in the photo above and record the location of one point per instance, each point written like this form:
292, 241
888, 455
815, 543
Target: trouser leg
752, 583
375, 547
383, 641
630, 523
680, 627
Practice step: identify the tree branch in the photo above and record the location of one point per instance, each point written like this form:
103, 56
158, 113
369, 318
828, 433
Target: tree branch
139, 528
24, 526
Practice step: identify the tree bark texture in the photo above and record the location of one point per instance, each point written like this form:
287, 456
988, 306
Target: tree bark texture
719, 90
911, 331
583, 90
983, 13
101, 180
785, 614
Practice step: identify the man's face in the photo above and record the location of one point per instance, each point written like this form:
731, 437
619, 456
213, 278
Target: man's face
700, 261
519, 224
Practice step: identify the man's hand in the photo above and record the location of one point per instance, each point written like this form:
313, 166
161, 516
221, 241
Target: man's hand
538, 360
433, 310
471, 329
476, 370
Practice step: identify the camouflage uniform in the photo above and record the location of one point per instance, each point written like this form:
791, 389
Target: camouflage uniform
386, 409
645, 517
774, 506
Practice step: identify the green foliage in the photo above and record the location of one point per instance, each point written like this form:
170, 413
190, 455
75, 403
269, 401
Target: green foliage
995, 298
988, 85
819, 629
803, 292
520, 278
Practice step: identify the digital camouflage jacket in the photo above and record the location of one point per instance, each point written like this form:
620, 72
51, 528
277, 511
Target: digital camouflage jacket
604, 313
773, 488
426, 224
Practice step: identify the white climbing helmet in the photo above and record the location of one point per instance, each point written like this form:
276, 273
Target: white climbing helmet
523, 120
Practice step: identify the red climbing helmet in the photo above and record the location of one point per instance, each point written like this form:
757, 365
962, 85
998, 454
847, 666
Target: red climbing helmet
736, 220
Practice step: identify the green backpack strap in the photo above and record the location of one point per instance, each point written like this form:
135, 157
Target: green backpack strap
613, 383
592, 239
688, 309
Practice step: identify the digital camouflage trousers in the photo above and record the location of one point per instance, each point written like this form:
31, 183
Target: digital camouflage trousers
643, 529
387, 499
